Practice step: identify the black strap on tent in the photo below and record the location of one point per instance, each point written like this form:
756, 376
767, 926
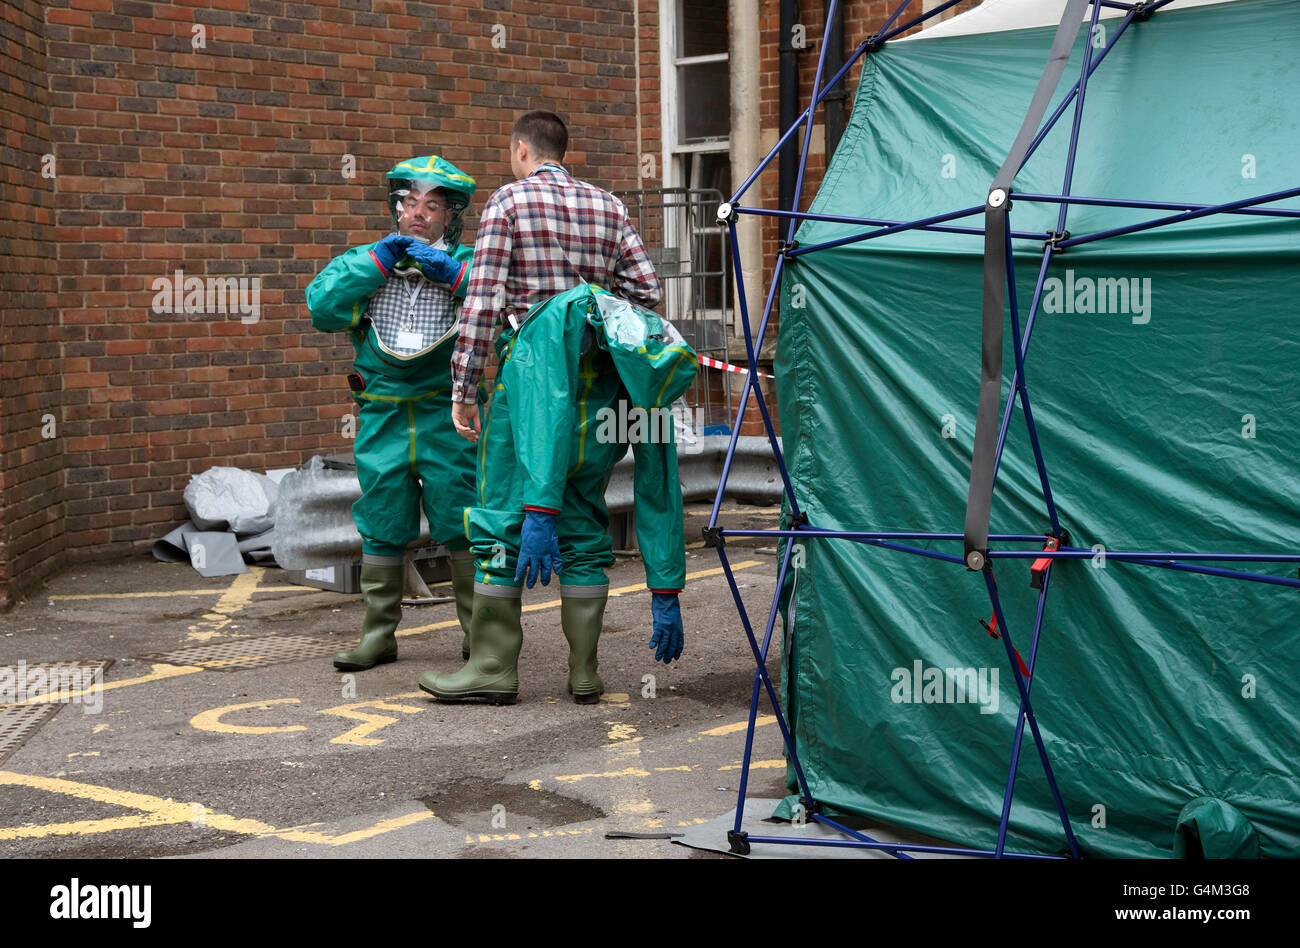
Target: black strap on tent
979, 501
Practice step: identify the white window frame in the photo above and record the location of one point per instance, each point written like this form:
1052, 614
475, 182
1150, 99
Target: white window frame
673, 149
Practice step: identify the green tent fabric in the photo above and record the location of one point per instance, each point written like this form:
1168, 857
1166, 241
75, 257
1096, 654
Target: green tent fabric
1168, 421
1211, 829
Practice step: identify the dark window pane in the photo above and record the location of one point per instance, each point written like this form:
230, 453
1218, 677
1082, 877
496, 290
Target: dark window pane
704, 27
704, 91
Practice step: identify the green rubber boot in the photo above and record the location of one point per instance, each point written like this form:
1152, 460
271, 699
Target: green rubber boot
582, 615
495, 640
381, 588
462, 583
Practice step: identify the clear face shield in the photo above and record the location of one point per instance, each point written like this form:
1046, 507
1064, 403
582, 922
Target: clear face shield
421, 211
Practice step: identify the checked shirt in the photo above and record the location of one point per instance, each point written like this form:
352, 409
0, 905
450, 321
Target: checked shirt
537, 237
397, 320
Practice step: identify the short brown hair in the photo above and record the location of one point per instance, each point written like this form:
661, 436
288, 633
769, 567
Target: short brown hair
544, 131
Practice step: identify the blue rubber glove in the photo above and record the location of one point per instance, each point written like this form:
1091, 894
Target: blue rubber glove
539, 551
389, 250
669, 637
437, 265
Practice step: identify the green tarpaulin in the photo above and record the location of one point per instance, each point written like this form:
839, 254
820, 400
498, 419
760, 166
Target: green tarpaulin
1164, 376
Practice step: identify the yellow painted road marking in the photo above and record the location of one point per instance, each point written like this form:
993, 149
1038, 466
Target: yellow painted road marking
739, 726
416, 630
630, 772
620, 732
372, 722
503, 837
159, 812
160, 671
553, 603
237, 595
756, 765
166, 593
211, 720
383, 826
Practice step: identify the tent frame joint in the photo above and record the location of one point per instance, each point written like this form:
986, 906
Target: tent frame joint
713, 538
738, 841
1053, 241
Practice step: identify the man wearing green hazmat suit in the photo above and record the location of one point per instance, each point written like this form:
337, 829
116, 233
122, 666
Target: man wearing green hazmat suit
399, 301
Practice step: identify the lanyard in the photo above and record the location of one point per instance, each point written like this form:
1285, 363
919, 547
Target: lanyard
419, 285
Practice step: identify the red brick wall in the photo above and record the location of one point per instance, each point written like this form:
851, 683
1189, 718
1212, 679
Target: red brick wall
226, 158
212, 138
32, 505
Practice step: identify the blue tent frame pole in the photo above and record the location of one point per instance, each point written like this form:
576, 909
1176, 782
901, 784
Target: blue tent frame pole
749, 387
753, 700
1074, 89
808, 127
878, 222
1027, 711
1179, 218
885, 232
1020, 386
1016, 744
1118, 202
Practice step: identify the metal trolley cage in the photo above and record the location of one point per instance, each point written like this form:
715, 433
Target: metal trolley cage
688, 246
990, 432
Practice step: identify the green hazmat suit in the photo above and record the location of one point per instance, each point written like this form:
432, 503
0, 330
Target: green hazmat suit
405, 435
586, 375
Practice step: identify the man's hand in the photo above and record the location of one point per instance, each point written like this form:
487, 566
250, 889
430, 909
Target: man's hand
464, 415
539, 549
668, 637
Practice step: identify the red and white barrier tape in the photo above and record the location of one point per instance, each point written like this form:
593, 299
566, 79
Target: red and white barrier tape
715, 364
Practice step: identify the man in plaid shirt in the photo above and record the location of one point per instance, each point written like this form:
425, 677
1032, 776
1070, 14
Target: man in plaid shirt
538, 236
542, 235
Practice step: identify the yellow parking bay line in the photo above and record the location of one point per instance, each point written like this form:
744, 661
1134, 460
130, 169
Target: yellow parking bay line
160, 672
552, 603
739, 726
183, 592
155, 811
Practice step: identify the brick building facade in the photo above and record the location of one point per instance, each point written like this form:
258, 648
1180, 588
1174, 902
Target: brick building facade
248, 138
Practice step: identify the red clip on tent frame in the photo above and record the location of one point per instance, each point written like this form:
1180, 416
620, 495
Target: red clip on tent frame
990, 436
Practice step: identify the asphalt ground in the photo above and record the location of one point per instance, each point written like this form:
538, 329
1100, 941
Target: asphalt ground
196, 753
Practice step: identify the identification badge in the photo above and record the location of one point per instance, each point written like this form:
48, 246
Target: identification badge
410, 340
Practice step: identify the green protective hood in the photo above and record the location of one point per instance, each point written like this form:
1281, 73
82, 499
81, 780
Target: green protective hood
433, 171
1163, 378
653, 360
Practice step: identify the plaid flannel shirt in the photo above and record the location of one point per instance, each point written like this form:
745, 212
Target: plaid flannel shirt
538, 237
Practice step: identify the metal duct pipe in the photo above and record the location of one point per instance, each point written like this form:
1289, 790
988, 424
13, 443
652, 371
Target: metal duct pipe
834, 60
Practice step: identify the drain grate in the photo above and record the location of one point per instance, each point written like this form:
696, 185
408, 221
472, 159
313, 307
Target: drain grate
19, 723
247, 653
35, 679
69, 682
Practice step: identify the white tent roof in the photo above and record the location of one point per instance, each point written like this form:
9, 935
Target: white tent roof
993, 16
